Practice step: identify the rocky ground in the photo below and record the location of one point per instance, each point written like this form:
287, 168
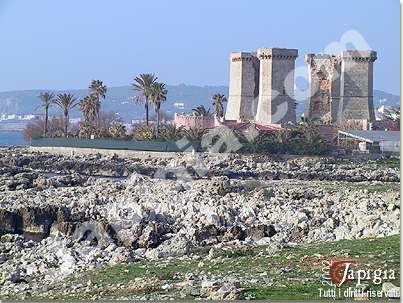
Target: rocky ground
106, 227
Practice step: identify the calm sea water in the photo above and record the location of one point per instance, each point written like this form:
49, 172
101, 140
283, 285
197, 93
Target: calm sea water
12, 138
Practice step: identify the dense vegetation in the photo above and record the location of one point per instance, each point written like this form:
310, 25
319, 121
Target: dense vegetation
95, 123
300, 139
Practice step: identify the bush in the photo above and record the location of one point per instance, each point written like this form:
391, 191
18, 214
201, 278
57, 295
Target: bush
220, 139
34, 129
107, 125
143, 132
117, 130
86, 130
170, 132
303, 139
102, 132
194, 134
264, 142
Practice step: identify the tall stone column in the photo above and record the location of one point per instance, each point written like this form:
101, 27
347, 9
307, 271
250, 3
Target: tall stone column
276, 102
356, 87
243, 86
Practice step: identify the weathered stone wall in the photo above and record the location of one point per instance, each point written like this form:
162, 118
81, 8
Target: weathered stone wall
335, 91
276, 85
324, 87
357, 85
244, 86
341, 87
262, 86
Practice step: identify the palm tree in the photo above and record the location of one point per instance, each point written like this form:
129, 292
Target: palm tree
218, 103
201, 111
157, 96
195, 133
143, 84
89, 106
170, 132
117, 130
47, 99
66, 102
98, 90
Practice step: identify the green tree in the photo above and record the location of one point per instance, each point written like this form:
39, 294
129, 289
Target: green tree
157, 96
117, 130
218, 103
97, 90
66, 102
143, 132
170, 132
47, 100
89, 107
143, 84
86, 129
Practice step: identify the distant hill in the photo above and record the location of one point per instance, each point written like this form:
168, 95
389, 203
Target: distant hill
120, 100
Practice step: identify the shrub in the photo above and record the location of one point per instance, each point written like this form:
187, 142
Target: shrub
263, 142
117, 130
220, 139
86, 130
102, 132
143, 132
194, 133
304, 139
34, 129
170, 132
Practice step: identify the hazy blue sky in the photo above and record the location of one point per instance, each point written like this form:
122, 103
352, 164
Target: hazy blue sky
64, 44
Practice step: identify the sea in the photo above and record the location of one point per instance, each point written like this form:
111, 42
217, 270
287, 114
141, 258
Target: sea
12, 138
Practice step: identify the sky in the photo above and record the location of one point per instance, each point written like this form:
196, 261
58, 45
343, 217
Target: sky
47, 44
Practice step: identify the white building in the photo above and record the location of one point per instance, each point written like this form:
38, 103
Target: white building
373, 140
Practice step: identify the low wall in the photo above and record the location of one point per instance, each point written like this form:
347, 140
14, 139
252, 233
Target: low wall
158, 146
69, 151
138, 149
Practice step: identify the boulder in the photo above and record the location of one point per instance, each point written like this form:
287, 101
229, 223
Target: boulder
10, 222
297, 234
37, 221
151, 236
176, 246
234, 233
206, 232
260, 231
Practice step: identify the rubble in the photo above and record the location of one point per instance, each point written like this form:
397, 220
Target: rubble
54, 227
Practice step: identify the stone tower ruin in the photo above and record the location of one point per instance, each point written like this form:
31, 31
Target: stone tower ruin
276, 86
356, 85
262, 86
324, 88
341, 87
244, 86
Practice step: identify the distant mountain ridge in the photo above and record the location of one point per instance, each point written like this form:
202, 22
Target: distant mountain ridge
120, 100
